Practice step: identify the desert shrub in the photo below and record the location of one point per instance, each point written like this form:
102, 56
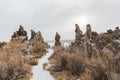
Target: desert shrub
13, 64
115, 64
58, 49
38, 47
79, 64
63, 61
107, 37
69, 62
102, 40
99, 74
75, 64
103, 63
115, 47
33, 61
60, 62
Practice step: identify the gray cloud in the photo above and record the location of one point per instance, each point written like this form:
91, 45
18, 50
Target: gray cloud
50, 16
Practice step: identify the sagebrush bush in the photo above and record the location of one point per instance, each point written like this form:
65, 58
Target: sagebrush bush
75, 64
99, 74
115, 64
38, 47
72, 63
63, 62
79, 64
13, 64
92, 59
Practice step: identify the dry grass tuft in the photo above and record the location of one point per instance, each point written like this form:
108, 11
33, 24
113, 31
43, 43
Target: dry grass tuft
72, 63
33, 61
66, 65
13, 65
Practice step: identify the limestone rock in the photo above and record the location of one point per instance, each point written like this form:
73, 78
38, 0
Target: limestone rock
78, 34
110, 31
117, 33
15, 35
20, 34
88, 32
57, 39
40, 36
21, 31
33, 33
36, 36
89, 49
94, 35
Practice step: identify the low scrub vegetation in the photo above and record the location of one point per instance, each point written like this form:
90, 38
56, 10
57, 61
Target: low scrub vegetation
17, 59
33, 61
79, 65
72, 63
13, 64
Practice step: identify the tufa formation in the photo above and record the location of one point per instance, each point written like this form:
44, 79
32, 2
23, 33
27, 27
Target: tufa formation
91, 40
57, 39
20, 34
36, 36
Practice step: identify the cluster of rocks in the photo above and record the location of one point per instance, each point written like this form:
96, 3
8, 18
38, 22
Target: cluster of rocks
90, 40
115, 33
78, 35
101, 51
20, 34
36, 36
35, 45
80, 38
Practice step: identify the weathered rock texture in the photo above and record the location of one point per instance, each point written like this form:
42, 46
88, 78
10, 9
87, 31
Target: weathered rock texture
99, 56
40, 36
21, 31
36, 36
57, 39
117, 33
2, 44
90, 39
20, 34
78, 34
88, 31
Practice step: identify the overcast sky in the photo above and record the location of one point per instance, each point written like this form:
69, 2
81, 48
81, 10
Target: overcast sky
51, 16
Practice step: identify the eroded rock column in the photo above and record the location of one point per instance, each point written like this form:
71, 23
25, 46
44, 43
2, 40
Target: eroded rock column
78, 34
88, 32
21, 34
57, 39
